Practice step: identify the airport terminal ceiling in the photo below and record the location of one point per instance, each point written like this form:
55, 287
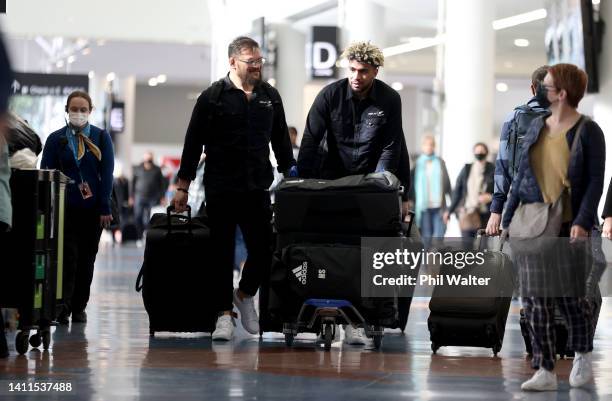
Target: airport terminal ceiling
137, 32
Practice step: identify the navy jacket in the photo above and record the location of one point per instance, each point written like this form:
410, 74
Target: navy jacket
58, 155
586, 174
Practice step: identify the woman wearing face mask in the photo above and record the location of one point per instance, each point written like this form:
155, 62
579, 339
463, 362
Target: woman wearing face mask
562, 165
474, 192
84, 153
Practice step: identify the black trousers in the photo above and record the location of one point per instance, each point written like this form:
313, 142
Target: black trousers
81, 238
251, 211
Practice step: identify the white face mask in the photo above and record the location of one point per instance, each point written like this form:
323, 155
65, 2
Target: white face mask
78, 119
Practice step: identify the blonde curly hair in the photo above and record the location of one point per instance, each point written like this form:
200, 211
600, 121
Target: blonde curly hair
364, 52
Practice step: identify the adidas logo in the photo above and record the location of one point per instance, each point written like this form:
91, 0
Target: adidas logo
301, 272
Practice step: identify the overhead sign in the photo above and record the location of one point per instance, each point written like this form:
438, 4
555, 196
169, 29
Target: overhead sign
324, 51
29, 84
2, 6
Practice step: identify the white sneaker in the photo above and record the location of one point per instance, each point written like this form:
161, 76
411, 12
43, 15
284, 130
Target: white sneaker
542, 380
354, 336
582, 370
248, 314
224, 329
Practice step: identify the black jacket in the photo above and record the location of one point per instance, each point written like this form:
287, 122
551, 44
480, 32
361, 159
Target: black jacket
236, 134
461, 187
361, 136
607, 211
149, 184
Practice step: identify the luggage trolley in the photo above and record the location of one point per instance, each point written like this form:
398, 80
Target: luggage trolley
34, 283
326, 314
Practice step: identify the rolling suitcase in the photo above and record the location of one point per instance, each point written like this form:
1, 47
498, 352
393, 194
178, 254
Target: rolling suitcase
175, 279
561, 335
473, 321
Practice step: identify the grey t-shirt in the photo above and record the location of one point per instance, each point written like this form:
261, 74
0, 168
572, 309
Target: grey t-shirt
6, 210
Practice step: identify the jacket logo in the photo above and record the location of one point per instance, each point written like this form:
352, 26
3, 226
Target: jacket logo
322, 273
301, 272
376, 114
266, 103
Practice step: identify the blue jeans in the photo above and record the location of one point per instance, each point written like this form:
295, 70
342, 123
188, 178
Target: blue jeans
432, 225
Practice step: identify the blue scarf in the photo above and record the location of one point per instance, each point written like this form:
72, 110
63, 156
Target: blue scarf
423, 187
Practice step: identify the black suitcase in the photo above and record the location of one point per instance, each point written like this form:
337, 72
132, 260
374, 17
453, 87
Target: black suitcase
175, 278
473, 321
359, 204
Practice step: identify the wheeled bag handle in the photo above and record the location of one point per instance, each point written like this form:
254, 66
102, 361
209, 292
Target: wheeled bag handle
169, 211
483, 233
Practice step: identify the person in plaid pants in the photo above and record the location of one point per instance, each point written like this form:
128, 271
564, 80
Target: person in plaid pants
552, 168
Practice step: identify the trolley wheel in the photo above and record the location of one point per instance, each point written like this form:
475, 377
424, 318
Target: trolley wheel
21, 342
377, 341
289, 339
46, 339
35, 340
329, 336
434, 348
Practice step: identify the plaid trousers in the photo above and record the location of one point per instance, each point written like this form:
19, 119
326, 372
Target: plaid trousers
558, 279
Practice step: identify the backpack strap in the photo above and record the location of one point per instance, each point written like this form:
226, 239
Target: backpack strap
583, 121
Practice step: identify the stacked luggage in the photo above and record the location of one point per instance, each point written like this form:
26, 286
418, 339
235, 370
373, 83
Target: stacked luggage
315, 281
176, 282
458, 317
32, 281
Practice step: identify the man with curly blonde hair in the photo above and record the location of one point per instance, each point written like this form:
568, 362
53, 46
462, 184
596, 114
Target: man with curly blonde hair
354, 126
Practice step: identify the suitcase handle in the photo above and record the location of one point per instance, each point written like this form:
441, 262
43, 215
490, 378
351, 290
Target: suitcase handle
483, 233
169, 211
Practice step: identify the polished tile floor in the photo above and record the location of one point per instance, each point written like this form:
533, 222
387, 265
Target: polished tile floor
113, 358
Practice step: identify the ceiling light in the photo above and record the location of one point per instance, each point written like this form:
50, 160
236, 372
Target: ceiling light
596, 2
153, 82
508, 64
501, 87
91, 75
71, 59
110, 76
521, 42
59, 64
398, 86
519, 19
161, 78
414, 45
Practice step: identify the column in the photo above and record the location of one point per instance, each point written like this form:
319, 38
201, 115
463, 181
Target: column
291, 75
362, 20
468, 80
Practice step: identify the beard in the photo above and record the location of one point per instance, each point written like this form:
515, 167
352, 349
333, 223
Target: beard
252, 77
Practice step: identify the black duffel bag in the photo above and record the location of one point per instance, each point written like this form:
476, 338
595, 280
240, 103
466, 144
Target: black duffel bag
360, 204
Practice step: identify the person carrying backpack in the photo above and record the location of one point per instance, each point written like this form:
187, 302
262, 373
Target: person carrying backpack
513, 131
236, 119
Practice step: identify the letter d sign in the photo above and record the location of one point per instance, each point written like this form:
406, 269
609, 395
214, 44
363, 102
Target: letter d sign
324, 51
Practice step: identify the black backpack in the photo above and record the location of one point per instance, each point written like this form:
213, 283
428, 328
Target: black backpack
523, 116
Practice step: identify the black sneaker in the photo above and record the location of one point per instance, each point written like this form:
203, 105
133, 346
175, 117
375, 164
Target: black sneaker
63, 318
79, 317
